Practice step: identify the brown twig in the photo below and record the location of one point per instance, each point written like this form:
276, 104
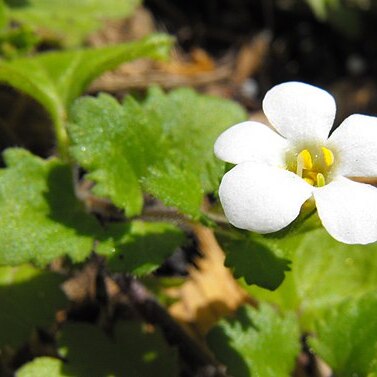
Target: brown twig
117, 82
196, 356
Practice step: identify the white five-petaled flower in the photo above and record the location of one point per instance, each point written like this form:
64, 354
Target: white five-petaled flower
276, 172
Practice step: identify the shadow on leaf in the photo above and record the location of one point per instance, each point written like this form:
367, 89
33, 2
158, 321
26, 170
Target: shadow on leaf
221, 343
29, 299
132, 352
64, 206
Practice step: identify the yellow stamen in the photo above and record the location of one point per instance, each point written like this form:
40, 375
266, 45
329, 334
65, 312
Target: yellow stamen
304, 161
309, 180
320, 180
313, 164
328, 156
311, 175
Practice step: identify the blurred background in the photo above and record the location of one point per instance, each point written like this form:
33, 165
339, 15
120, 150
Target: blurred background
230, 48
329, 43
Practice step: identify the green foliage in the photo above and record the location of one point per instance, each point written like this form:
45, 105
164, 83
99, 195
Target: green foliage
346, 337
16, 41
324, 273
256, 259
140, 247
164, 144
160, 146
42, 367
55, 79
107, 146
192, 123
29, 298
41, 217
3, 15
68, 21
176, 187
257, 342
132, 352
343, 16
321, 8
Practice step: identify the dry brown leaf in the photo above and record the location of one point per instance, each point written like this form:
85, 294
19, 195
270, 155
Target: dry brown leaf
210, 292
197, 62
142, 74
322, 369
251, 57
194, 69
138, 26
82, 286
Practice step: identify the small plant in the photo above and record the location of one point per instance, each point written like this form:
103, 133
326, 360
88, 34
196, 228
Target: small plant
135, 182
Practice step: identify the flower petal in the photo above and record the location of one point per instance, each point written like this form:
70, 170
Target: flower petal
262, 198
348, 210
354, 144
251, 141
300, 112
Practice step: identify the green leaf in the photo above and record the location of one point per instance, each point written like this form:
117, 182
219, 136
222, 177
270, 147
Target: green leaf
42, 367
166, 144
55, 79
192, 123
140, 247
176, 187
41, 218
345, 17
257, 342
321, 8
69, 21
346, 336
255, 259
3, 15
324, 273
29, 298
132, 352
15, 42
115, 144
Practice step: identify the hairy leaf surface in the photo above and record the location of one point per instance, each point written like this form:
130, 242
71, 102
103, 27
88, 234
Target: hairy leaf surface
346, 337
257, 260
257, 342
324, 272
164, 145
41, 217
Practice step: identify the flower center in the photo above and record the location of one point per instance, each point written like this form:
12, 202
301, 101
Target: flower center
312, 164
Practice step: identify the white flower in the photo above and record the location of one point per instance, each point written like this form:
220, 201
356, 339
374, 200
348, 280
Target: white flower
276, 172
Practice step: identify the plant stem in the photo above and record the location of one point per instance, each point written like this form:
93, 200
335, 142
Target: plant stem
61, 134
151, 311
